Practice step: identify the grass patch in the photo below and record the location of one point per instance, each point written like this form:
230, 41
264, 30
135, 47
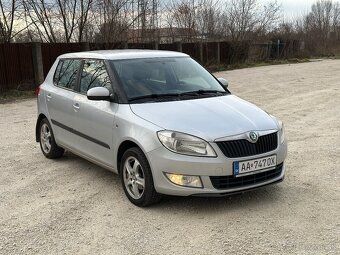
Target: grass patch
337, 56
14, 94
219, 68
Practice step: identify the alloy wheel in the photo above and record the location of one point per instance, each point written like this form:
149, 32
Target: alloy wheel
45, 138
133, 175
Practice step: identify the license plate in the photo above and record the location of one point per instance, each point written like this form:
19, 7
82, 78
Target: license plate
245, 167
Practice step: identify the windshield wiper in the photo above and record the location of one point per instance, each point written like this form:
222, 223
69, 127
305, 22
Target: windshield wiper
154, 96
203, 92
178, 95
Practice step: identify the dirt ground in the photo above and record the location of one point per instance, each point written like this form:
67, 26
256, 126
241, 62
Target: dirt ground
70, 206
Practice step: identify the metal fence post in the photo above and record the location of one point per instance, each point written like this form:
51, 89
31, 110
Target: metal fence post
200, 48
156, 45
218, 53
37, 62
269, 50
179, 46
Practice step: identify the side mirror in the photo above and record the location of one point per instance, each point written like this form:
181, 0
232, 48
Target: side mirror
224, 82
99, 93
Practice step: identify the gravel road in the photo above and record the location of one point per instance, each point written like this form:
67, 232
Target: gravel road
70, 206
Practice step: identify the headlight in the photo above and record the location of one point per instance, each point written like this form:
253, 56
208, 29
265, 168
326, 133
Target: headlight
185, 144
282, 132
281, 128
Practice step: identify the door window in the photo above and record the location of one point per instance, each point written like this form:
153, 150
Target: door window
94, 74
66, 73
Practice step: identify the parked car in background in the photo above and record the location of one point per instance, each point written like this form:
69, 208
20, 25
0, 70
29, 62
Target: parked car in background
160, 121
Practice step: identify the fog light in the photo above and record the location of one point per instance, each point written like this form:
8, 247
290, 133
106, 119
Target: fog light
185, 180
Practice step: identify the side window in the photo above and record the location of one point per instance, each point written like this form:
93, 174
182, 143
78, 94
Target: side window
94, 74
66, 73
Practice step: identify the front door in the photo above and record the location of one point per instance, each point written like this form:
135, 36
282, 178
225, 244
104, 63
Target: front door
94, 119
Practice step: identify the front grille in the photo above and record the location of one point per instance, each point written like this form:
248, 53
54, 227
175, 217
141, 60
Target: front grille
228, 182
244, 148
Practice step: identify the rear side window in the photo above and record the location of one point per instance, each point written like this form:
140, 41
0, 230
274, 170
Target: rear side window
66, 73
94, 74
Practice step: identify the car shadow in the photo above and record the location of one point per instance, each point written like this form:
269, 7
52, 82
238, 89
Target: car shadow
214, 205
177, 204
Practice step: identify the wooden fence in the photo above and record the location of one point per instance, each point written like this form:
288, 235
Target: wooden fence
24, 65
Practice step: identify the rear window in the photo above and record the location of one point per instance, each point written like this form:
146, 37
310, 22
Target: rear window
66, 73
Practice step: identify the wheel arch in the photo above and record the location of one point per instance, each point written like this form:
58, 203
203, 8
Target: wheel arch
37, 131
124, 146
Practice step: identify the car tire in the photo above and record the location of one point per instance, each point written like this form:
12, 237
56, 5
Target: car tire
47, 142
136, 177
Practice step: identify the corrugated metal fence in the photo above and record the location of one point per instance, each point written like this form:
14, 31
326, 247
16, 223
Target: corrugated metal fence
16, 69
17, 60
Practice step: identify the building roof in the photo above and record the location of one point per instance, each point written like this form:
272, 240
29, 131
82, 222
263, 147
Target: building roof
123, 54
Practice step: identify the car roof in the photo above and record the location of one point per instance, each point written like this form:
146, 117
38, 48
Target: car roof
123, 54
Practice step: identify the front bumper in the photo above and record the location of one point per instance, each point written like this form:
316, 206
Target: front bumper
162, 160
230, 193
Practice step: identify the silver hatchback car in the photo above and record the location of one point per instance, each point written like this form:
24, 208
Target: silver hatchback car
160, 121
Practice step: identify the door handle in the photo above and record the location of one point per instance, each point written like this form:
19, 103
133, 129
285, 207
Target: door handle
76, 106
48, 96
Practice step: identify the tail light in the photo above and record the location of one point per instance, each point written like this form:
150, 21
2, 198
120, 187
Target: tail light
37, 91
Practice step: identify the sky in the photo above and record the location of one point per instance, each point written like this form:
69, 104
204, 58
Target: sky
292, 8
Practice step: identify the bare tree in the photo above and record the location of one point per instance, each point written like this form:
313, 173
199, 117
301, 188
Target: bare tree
209, 19
147, 20
246, 19
8, 11
321, 26
181, 18
58, 20
323, 19
42, 14
132, 20
336, 19
111, 17
318, 21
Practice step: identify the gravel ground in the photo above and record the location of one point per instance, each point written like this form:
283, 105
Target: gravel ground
70, 206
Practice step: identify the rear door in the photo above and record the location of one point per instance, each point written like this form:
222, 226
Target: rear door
94, 119
60, 98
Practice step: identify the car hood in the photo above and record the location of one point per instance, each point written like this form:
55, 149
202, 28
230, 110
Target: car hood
208, 118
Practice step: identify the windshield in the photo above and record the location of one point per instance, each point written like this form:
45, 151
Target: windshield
165, 78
